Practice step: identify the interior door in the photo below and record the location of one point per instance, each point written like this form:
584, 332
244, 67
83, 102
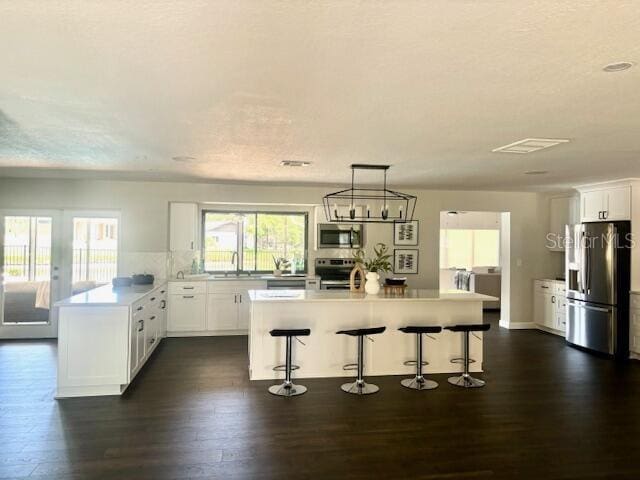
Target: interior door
30, 251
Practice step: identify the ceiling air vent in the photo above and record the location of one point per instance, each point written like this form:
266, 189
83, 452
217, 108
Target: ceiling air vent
530, 145
294, 163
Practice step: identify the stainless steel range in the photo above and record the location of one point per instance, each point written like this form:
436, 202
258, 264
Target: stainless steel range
334, 272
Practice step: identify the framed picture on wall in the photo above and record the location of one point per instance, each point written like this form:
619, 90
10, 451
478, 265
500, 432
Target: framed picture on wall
405, 233
405, 260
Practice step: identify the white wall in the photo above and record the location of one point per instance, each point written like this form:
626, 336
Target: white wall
144, 213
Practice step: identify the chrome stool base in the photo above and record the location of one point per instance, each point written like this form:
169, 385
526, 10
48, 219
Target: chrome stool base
359, 388
466, 381
287, 390
419, 383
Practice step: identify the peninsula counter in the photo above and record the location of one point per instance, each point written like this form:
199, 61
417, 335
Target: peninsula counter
327, 311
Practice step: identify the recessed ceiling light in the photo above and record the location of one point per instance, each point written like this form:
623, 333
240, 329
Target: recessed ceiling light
183, 158
294, 163
536, 172
530, 145
617, 67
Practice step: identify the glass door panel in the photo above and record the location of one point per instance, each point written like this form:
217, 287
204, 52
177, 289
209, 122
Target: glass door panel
29, 274
95, 252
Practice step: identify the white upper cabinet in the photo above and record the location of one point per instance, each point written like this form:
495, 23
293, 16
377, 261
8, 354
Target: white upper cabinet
605, 203
183, 226
618, 204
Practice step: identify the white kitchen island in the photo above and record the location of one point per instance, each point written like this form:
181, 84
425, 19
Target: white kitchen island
327, 311
106, 335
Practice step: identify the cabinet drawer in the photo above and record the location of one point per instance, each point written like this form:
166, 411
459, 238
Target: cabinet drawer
232, 286
635, 301
190, 288
544, 286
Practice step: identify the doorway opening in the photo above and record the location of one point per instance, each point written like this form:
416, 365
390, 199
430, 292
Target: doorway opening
475, 256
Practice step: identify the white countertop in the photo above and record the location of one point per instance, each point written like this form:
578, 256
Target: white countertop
108, 296
346, 295
245, 278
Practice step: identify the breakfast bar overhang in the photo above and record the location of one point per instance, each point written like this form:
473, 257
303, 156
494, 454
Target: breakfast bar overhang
325, 312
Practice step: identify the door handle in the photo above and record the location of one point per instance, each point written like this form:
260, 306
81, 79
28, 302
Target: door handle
589, 307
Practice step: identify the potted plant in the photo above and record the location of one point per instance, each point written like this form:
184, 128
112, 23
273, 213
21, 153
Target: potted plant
280, 264
374, 266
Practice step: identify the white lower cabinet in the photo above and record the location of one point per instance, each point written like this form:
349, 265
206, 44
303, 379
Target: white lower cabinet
187, 303
222, 311
102, 347
229, 307
549, 305
634, 324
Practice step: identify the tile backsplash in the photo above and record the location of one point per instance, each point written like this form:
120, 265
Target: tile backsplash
144, 262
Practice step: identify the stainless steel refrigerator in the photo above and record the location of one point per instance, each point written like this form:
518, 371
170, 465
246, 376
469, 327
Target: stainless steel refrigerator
598, 266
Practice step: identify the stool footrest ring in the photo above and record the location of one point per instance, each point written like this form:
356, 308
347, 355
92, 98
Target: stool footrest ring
461, 360
413, 363
283, 368
350, 366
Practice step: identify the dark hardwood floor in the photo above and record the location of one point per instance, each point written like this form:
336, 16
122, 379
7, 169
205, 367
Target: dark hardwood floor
548, 411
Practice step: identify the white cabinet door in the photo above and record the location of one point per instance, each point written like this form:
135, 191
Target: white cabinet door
592, 204
244, 310
618, 204
222, 311
187, 313
538, 307
140, 341
183, 226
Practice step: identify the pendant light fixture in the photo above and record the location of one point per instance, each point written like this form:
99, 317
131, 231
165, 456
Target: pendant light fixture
369, 205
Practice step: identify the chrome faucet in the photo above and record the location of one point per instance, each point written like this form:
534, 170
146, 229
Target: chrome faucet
180, 275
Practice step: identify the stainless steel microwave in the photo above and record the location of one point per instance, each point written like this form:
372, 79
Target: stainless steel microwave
332, 235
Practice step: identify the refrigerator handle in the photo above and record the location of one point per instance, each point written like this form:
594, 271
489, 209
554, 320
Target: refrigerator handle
589, 307
587, 254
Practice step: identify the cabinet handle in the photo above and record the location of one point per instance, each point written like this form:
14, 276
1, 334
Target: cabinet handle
240, 298
187, 296
152, 341
153, 299
139, 308
544, 286
235, 298
163, 304
605, 214
553, 299
188, 288
162, 291
152, 317
192, 245
141, 322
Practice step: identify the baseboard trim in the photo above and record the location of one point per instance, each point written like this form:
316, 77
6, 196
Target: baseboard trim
518, 325
209, 333
553, 331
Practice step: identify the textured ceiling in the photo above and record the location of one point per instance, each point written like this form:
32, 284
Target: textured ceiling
116, 89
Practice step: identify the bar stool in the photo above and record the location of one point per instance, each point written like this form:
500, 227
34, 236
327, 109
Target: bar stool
419, 382
288, 388
359, 387
465, 380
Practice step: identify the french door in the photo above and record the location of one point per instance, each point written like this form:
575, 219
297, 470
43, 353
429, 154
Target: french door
30, 272
47, 255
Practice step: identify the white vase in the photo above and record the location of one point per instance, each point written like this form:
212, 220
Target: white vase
277, 273
372, 285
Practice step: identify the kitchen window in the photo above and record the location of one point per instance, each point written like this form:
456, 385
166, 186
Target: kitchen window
469, 248
248, 241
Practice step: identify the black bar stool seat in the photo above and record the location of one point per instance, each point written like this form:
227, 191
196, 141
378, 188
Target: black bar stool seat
360, 387
300, 332
362, 331
419, 382
288, 388
465, 380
